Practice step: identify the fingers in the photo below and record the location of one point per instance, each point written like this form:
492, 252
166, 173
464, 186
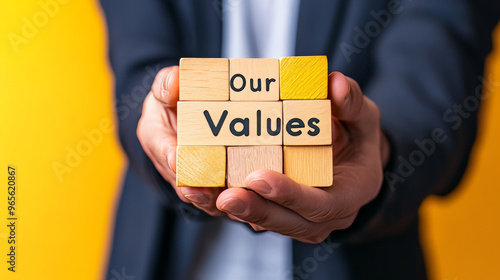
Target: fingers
157, 127
283, 206
248, 206
308, 214
158, 139
203, 198
166, 86
156, 134
264, 214
313, 204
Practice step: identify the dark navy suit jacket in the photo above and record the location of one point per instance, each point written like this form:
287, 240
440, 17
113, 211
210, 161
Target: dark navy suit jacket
415, 59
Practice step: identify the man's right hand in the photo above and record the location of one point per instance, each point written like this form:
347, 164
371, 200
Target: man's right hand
157, 132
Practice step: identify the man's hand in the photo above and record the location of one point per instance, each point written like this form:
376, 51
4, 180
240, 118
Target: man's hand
308, 214
157, 132
277, 203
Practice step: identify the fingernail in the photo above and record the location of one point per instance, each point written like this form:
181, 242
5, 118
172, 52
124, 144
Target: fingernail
257, 228
260, 186
234, 206
198, 198
167, 79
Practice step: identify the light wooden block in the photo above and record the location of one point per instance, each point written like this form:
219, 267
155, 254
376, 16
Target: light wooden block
309, 165
254, 79
307, 122
229, 123
203, 166
242, 161
204, 79
304, 77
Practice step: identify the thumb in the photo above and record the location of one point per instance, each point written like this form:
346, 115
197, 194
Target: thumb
166, 86
349, 105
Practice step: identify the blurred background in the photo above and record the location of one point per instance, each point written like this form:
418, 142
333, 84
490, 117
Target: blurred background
57, 130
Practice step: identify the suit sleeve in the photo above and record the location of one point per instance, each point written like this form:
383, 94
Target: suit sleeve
427, 81
143, 38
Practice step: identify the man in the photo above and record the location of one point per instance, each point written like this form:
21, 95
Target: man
396, 141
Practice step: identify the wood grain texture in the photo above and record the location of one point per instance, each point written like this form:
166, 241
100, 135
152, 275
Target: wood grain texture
254, 79
309, 165
193, 127
204, 79
304, 77
315, 116
242, 161
203, 166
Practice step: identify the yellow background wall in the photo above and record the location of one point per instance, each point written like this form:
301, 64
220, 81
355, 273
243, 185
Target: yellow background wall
462, 230
56, 91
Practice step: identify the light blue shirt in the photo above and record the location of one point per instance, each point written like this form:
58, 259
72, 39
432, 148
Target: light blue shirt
259, 28
252, 29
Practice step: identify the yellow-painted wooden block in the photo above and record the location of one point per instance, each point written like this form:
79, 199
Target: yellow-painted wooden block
229, 123
202, 166
254, 79
242, 161
204, 79
307, 122
304, 77
309, 165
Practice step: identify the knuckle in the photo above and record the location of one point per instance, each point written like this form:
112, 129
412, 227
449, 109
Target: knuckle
140, 130
346, 223
321, 215
256, 217
302, 230
285, 197
372, 190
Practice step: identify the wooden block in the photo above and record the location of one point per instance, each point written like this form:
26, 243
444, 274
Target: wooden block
309, 165
307, 122
242, 161
229, 123
203, 166
254, 79
304, 77
204, 79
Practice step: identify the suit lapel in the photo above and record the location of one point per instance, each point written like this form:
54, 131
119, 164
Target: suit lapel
317, 26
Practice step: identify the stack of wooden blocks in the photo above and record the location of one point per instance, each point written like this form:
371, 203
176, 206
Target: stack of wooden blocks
236, 116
